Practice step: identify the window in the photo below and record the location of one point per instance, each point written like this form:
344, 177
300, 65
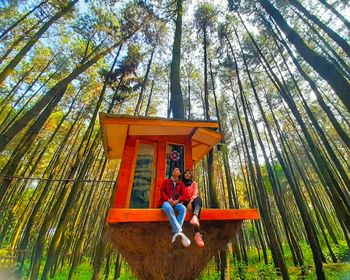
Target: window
143, 175
174, 158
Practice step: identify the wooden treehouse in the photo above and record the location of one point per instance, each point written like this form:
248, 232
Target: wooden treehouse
140, 231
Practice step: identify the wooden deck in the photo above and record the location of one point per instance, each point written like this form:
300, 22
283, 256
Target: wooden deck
124, 215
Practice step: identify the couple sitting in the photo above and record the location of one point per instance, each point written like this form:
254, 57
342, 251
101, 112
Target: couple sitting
181, 196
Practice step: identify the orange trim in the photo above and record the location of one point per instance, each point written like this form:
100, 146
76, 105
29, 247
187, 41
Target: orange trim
160, 171
123, 215
124, 173
213, 134
154, 171
188, 154
132, 172
117, 119
168, 138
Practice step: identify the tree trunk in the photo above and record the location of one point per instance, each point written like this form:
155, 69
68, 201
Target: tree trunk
331, 33
140, 97
7, 30
26, 143
260, 189
149, 99
11, 66
7, 136
18, 41
20, 98
176, 100
322, 164
314, 88
322, 66
334, 11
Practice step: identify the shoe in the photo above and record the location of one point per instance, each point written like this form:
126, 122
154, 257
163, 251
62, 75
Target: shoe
175, 236
194, 221
198, 239
185, 241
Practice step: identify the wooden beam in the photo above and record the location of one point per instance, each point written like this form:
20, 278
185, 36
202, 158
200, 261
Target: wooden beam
124, 215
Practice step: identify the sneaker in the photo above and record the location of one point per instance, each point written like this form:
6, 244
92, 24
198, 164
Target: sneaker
185, 241
198, 239
194, 221
175, 236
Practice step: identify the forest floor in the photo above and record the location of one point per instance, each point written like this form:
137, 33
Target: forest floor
334, 271
339, 271
256, 270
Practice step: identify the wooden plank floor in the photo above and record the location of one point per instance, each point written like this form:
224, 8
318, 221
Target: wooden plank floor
122, 215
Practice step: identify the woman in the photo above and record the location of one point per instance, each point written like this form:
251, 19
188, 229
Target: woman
173, 194
195, 205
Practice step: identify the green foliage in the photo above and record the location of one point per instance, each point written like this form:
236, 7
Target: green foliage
214, 275
83, 271
342, 251
332, 272
240, 271
266, 271
126, 274
205, 16
3, 252
26, 267
259, 271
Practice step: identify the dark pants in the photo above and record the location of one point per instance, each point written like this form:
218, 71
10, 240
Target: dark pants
196, 208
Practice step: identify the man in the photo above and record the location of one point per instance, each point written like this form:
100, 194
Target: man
173, 194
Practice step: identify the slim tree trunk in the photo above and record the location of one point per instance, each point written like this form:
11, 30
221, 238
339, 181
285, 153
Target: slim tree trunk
18, 41
331, 33
7, 136
321, 65
176, 100
269, 168
12, 92
140, 97
7, 30
20, 98
334, 11
149, 99
11, 66
26, 143
336, 59
318, 128
314, 88
260, 189
322, 164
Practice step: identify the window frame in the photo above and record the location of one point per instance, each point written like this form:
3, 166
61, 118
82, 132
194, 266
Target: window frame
154, 172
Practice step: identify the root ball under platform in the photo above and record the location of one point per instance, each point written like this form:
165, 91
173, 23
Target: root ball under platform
148, 250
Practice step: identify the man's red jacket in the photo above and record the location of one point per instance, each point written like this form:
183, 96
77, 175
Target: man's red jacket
169, 191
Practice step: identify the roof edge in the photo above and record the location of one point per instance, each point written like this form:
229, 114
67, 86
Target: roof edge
115, 118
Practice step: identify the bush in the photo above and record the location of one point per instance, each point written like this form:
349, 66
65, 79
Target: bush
342, 251
240, 271
214, 275
266, 271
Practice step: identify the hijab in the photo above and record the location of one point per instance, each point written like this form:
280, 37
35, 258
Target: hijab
187, 182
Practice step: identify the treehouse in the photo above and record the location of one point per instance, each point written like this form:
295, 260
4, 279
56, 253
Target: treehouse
149, 148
